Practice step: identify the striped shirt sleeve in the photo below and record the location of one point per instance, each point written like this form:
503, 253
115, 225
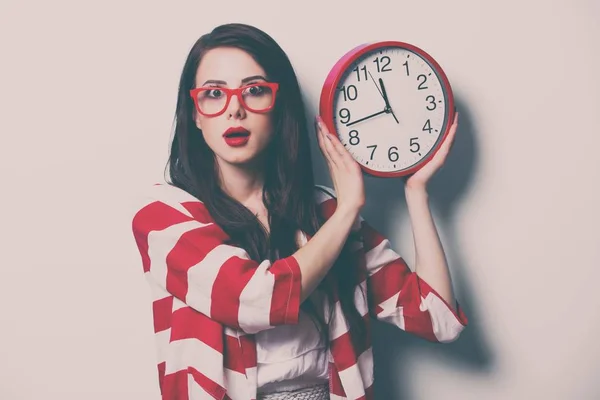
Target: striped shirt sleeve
400, 297
396, 294
186, 254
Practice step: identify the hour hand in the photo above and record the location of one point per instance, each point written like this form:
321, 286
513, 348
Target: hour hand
387, 102
388, 108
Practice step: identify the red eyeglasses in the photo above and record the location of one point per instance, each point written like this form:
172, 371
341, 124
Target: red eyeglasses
212, 101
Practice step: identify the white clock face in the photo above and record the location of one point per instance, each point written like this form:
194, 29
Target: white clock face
397, 135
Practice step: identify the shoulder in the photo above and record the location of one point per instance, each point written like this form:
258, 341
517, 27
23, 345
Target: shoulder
170, 194
163, 199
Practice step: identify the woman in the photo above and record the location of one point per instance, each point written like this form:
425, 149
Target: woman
263, 283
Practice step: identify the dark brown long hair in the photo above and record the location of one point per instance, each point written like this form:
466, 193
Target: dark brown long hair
289, 189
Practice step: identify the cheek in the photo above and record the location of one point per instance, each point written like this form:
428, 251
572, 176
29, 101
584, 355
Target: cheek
266, 126
210, 131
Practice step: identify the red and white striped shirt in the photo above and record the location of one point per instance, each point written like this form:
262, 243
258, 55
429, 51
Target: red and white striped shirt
209, 299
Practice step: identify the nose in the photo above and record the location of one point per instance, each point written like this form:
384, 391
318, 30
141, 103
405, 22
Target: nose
235, 109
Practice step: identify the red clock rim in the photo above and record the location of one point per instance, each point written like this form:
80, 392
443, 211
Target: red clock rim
331, 81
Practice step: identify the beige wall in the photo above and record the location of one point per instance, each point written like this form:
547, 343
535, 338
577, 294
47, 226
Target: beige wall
87, 97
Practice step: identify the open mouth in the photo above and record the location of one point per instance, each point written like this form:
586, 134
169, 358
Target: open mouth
236, 136
236, 132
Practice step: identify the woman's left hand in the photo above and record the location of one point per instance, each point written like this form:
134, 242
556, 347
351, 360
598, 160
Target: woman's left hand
420, 178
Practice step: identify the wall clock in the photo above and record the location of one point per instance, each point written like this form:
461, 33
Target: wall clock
390, 104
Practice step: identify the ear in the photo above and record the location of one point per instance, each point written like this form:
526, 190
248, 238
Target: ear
196, 119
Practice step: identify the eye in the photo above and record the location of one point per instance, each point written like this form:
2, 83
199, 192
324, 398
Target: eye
255, 90
215, 93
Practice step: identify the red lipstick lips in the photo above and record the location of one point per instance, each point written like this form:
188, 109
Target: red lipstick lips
236, 136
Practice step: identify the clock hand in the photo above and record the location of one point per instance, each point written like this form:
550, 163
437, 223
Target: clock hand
377, 88
367, 117
387, 102
388, 108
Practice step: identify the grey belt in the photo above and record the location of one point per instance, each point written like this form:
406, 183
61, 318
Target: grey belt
319, 392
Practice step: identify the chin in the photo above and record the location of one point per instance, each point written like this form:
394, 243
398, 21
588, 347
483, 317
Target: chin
241, 156
247, 158
240, 161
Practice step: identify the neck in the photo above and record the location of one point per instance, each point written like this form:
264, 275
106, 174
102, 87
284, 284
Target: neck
242, 182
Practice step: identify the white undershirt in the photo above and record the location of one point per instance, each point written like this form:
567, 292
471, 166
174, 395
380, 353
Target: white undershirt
292, 356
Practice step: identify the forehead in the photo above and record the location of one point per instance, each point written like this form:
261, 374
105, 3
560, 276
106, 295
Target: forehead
227, 64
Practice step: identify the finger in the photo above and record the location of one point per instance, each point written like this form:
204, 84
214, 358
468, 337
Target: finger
334, 157
342, 152
444, 150
329, 141
326, 146
326, 156
339, 149
321, 140
453, 139
319, 136
336, 146
449, 141
454, 122
453, 132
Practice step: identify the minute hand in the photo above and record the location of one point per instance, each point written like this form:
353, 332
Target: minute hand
367, 117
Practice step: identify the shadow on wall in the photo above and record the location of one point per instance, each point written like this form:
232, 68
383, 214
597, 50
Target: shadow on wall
446, 189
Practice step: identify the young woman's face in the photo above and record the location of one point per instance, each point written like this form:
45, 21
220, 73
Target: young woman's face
227, 67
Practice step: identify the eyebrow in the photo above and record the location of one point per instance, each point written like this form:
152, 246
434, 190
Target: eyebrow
250, 78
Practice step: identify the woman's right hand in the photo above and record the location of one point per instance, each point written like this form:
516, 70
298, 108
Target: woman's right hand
345, 172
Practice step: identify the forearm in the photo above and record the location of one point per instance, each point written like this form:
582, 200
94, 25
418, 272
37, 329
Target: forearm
317, 256
430, 260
